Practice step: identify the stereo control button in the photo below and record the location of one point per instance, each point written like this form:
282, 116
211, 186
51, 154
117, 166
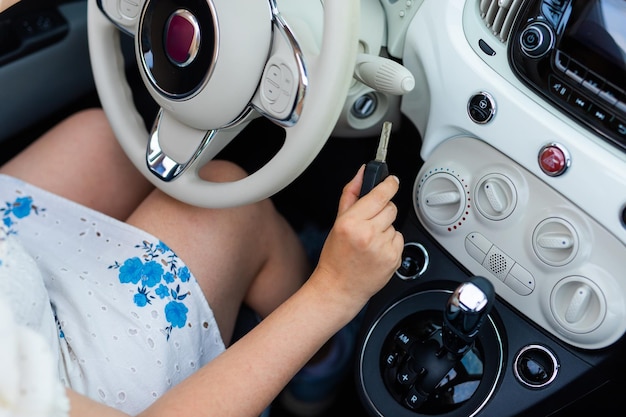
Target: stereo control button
536, 40
559, 88
576, 71
618, 127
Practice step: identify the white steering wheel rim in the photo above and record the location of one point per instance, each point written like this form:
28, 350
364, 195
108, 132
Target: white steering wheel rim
329, 79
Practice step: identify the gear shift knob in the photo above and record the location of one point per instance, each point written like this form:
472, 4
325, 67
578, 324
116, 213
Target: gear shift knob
465, 312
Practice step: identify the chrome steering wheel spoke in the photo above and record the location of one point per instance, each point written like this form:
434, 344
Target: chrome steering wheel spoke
174, 147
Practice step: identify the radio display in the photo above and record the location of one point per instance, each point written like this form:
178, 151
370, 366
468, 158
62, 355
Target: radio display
577, 60
595, 36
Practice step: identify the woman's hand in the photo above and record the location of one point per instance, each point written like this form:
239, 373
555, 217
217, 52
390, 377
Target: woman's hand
363, 249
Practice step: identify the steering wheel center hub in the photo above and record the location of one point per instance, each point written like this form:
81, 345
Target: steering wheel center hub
182, 37
203, 54
178, 44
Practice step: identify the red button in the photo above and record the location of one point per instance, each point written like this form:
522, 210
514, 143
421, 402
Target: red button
553, 160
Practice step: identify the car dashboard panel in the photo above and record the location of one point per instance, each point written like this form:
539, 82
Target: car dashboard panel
574, 54
523, 176
523, 180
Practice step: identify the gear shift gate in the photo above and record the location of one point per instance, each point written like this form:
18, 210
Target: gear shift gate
430, 363
402, 370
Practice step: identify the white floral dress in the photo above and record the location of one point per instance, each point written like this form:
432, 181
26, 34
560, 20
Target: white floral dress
126, 315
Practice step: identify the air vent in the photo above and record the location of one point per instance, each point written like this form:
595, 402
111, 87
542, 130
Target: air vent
499, 16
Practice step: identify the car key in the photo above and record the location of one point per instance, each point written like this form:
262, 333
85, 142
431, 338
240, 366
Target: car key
377, 170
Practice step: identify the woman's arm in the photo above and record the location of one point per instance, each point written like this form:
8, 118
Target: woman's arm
83, 406
360, 255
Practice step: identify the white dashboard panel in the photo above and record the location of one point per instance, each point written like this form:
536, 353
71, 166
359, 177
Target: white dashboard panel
545, 256
523, 123
442, 51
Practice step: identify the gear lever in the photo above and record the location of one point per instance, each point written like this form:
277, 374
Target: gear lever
464, 313
424, 363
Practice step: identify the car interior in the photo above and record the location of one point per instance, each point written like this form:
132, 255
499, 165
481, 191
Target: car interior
508, 136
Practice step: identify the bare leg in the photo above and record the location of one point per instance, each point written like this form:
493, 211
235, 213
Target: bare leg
80, 159
247, 253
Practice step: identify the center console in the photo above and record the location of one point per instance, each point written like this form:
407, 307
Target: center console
553, 333
513, 190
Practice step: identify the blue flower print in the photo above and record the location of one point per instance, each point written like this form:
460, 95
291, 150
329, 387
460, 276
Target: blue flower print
134, 270
7, 221
151, 273
130, 272
22, 206
19, 209
162, 291
184, 274
176, 313
157, 268
141, 298
169, 277
162, 247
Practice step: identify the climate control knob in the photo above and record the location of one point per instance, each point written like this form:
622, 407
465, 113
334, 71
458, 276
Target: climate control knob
442, 199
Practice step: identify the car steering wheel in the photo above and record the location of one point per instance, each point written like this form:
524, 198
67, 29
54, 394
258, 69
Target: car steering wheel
212, 66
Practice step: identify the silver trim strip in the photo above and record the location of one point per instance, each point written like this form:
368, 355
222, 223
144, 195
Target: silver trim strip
162, 165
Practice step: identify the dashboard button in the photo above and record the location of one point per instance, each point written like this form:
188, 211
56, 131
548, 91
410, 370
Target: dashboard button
619, 127
599, 114
559, 88
536, 40
554, 159
593, 83
520, 280
129, 8
535, 366
610, 93
576, 72
555, 241
481, 108
477, 246
495, 196
415, 261
580, 102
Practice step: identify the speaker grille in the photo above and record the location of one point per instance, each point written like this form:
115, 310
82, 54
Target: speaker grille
498, 265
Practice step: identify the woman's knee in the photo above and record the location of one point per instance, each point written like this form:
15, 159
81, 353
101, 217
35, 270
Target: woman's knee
222, 171
91, 114
87, 122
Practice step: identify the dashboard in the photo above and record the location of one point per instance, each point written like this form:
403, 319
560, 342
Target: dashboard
520, 109
532, 196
